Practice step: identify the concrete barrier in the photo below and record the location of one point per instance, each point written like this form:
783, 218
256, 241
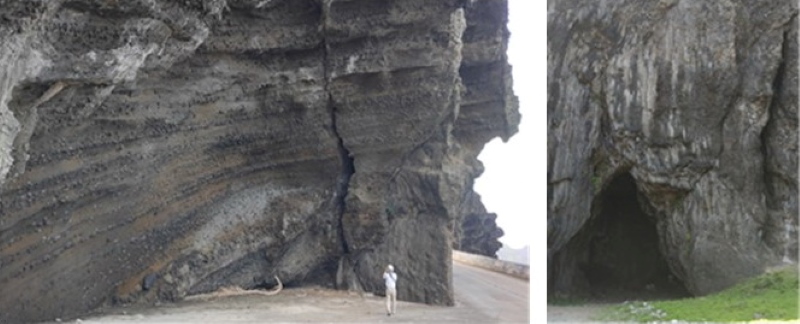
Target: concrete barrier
510, 268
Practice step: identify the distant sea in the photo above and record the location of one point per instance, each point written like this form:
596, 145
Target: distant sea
522, 256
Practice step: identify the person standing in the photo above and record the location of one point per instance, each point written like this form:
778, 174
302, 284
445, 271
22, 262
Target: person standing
390, 278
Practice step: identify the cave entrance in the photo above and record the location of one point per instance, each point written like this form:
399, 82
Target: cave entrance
623, 259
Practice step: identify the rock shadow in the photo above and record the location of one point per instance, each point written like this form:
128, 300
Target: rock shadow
623, 256
616, 256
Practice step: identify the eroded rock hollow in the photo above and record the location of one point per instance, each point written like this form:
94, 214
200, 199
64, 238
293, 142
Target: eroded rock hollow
618, 249
672, 147
154, 149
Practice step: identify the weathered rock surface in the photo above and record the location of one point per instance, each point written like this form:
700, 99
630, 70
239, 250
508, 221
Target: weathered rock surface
478, 233
154, 149
680, 113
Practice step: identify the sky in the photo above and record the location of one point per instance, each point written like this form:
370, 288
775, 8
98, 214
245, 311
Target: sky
507, 186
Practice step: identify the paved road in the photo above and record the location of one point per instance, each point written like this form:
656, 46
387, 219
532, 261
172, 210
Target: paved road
498, 296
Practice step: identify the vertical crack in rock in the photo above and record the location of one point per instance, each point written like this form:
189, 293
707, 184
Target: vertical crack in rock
777, 89
777, 232
348, 167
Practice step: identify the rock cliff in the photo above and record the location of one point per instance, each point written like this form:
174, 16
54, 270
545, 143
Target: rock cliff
150, 150
672, 147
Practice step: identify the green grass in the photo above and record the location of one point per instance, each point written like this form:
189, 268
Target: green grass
770, 296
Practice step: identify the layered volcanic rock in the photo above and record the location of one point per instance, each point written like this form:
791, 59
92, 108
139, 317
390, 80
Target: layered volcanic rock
154, 149
478, 233
672, 147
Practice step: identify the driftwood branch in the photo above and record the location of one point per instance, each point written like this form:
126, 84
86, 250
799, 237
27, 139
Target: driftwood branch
237, 291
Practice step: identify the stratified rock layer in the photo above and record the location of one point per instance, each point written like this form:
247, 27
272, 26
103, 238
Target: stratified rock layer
697, 102
154, 149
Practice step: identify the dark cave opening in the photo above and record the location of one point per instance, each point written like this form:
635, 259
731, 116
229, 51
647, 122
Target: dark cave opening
622, 257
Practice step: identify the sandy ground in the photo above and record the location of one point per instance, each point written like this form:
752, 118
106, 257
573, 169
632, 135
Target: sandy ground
481, 297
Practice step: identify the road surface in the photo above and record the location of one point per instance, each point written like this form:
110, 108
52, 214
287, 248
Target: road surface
481, 297
498, 296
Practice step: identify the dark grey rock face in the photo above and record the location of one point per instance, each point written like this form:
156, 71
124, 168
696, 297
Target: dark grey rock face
478, 233
154, 149
695, 102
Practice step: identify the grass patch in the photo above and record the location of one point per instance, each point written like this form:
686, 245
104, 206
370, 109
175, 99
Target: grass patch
771, 296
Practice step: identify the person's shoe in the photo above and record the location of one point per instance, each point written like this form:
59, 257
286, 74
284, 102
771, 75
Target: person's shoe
388, 314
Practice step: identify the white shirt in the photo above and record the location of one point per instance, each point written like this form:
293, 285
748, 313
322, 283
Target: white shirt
390, 278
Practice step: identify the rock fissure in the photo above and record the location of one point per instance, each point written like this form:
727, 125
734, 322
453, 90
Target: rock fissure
777, 91
348, 169
346, 158
779, 229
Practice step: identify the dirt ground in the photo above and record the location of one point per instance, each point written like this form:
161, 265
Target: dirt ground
488, 298
290, 306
